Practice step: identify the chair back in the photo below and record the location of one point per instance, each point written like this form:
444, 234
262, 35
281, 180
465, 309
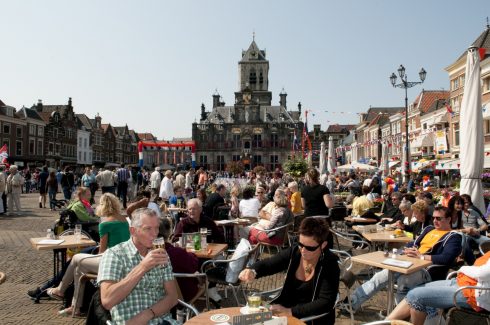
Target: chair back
338, 213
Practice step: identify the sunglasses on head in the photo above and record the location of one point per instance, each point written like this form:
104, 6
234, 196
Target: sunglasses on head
438, 218
309, 248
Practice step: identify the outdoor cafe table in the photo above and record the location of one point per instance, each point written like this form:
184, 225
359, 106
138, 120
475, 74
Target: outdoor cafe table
384, 236
59, 250
205, 318
210, 252
229, 227
376, 259
361, 220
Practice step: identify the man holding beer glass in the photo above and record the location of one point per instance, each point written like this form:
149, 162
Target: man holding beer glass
136, 281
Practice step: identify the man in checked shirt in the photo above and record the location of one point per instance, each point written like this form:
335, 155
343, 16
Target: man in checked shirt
136, 281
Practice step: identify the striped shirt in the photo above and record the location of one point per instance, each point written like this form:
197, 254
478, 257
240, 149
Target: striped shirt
115, 265
122, 175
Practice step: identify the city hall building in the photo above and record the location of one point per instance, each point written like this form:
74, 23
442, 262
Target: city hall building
253, 130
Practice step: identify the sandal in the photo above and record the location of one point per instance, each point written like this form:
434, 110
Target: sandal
53, 295
68, 312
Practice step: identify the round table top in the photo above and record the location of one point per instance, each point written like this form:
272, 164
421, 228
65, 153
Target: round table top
205, 318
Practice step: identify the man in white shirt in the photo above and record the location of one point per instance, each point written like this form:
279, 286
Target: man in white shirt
166, 186
155, 181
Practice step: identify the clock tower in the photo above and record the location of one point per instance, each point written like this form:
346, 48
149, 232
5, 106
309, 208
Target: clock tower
253, 71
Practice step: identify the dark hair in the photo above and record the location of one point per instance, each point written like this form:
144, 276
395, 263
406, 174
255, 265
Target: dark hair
427, 195
451, 209
315, 227
248, 193
143, 194
220, 187
366, 189
410, 198
203, 194
444, 210
467, 198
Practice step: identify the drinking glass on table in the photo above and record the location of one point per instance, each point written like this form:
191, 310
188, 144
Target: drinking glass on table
159, 243
78, 232
254, 301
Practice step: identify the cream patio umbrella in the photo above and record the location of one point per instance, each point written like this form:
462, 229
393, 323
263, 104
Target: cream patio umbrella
322, 167
385, 167
331, 162
471, 132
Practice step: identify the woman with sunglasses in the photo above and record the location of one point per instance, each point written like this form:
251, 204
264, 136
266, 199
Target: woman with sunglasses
312, 274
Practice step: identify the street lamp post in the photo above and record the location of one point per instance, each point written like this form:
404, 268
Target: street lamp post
405, 84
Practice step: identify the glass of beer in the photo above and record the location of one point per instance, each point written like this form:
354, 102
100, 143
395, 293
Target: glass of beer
159, 243
254, 302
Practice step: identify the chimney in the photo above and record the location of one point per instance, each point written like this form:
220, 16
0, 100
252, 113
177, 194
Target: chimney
299, 108
282, 98
39, 106
69, 102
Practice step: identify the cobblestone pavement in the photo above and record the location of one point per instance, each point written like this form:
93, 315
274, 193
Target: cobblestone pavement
26, 268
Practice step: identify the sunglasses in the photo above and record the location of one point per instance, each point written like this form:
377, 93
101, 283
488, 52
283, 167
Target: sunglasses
309, 248
438, 218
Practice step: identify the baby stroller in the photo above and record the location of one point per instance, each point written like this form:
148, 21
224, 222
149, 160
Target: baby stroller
68, 219
60, 204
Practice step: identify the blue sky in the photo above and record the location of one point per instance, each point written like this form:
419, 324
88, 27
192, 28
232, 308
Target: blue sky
150, 64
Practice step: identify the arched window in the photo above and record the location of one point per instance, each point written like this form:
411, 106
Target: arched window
253, 77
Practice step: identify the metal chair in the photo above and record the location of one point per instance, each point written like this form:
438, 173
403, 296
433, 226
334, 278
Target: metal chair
218, 279
461, 315
337, 215
203, 286
353, 238
189, 311
484, 247
282, 230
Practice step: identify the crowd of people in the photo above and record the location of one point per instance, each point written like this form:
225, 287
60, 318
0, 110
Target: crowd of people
137, 207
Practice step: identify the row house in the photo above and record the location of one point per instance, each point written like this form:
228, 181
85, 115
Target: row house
125, 145
84, 143
367, 137
60, 133
338, 132
456, 72
109, 143
22, 133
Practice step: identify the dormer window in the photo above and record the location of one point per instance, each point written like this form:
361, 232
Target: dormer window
9, 111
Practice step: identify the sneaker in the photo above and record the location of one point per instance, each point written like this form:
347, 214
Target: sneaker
36, 293
40, 205
213, 294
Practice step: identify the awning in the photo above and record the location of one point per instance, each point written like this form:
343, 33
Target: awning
440, 119
486, 161
423, 141
393, 163
421, 164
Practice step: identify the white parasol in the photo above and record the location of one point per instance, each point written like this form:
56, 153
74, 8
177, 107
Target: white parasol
356, 166
322, 166
385, 167
331, 162
471, 132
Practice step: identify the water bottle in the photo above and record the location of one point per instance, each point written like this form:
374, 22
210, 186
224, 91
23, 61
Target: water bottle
180, 316
49, 234
197, 242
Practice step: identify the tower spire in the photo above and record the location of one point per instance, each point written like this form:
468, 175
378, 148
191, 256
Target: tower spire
488, 24
253, 33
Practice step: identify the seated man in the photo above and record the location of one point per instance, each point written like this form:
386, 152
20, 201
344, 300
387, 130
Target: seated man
136, 281
393, 213
436, 243
197, 220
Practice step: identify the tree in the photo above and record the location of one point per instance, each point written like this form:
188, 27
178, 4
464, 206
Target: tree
296, 167
235, 167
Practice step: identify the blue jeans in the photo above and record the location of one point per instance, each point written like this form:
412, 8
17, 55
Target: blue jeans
433, 295
52, 196
380, 281
67, 192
